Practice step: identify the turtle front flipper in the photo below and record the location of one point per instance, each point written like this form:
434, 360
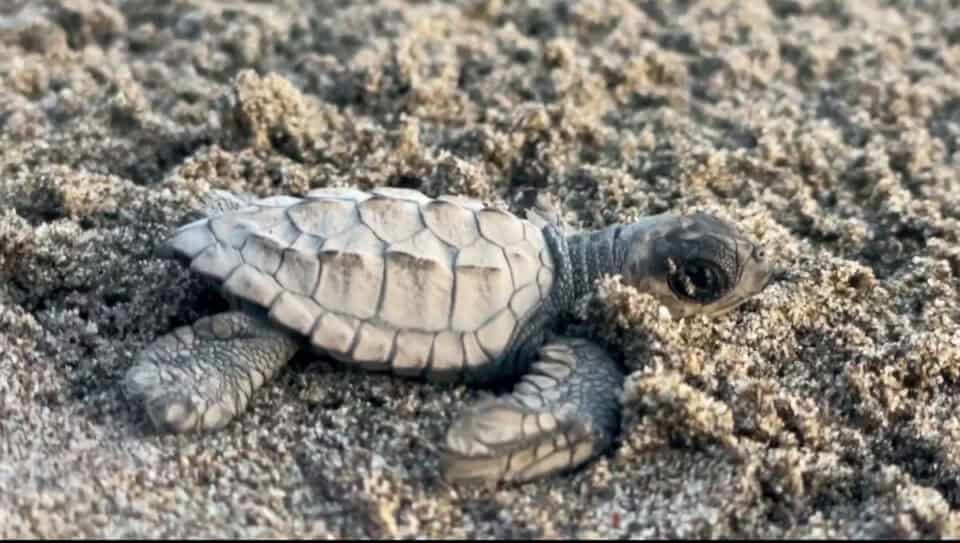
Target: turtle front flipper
564, 412
199, 377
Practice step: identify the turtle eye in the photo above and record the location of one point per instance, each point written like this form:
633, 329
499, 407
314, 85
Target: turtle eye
698, 280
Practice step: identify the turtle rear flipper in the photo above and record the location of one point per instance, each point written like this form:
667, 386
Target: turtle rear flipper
563, 413
216, 202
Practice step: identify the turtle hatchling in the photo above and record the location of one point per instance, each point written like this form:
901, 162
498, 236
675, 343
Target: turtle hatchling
444, 289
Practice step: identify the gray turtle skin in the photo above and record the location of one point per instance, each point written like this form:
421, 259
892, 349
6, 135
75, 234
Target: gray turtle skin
444, 289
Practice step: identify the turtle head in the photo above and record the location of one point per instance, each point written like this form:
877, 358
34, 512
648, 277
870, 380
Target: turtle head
695, 264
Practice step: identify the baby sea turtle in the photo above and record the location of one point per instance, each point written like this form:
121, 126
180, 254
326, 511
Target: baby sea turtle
445, 289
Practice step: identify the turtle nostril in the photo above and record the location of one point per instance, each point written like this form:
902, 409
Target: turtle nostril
759, 253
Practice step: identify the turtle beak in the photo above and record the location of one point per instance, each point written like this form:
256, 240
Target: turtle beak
777, 276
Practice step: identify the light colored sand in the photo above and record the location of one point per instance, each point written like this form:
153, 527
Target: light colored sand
826, 407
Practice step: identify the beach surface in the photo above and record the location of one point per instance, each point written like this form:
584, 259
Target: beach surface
828, 406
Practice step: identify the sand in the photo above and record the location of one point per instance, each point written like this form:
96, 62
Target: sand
826, 407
